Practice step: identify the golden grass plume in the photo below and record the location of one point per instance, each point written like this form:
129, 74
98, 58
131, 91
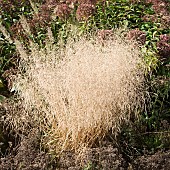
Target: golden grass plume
79, 92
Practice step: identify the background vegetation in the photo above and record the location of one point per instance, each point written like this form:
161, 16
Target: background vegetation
147, 22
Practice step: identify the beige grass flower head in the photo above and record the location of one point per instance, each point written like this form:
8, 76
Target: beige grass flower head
81, 92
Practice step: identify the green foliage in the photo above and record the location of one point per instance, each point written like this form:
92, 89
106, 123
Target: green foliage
150, 59
89, 166
11, 11
7, 60
117, 13
6, 54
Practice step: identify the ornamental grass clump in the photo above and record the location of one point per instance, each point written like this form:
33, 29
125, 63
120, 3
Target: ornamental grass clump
79, 93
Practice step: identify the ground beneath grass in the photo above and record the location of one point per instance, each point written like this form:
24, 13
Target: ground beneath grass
26, 153
27, 157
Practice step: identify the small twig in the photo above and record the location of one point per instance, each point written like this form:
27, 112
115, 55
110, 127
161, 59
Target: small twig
153, 133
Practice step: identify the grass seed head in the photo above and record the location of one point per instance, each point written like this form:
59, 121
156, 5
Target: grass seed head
79, 93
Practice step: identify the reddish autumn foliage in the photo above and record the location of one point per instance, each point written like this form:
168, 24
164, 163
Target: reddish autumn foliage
137, 35
102, 35
84, 11
87, 1
63, 11
159, 6
163, 46
17, 30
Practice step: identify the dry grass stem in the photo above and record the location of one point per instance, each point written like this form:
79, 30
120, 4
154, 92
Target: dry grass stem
5, 33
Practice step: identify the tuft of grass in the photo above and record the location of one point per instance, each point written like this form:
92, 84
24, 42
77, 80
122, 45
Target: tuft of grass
79, 93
